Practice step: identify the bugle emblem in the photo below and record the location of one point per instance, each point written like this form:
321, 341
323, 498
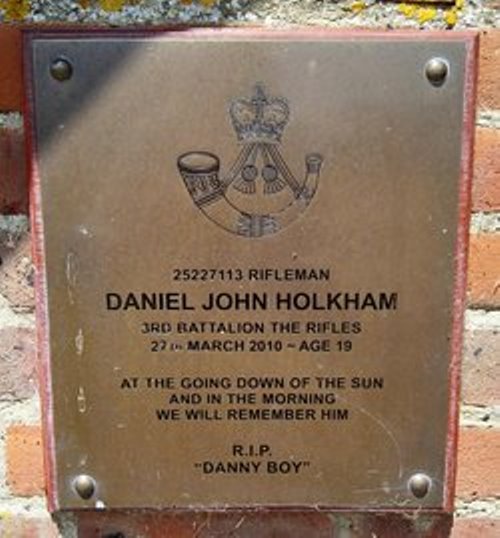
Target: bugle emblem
258, 172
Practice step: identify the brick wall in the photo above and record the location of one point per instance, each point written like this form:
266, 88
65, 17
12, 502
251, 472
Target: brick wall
22, 504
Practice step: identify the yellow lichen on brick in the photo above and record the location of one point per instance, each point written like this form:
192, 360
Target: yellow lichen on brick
112, 5
204, 3
357, 6
450, 17
426, 14
408, 10
15, 10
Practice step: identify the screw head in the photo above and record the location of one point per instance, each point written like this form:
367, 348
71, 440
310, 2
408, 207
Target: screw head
61, 69
436, 71
420, 485
84, 486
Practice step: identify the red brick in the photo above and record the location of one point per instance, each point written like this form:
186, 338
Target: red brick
476, 528
478, 463
13, 180
484, 270
24, 456
11, 69
486, 186
489, 70
16, 274
17, 363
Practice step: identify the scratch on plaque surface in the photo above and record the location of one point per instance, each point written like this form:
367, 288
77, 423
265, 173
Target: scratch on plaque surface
71, 274
81, 400
239, 523
79, 342
386, 488
203, 525
85, 231
386, 429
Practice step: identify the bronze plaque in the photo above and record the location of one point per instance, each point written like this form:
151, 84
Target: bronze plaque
250, 265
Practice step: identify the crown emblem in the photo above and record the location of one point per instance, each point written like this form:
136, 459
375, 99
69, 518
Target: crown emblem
260, 118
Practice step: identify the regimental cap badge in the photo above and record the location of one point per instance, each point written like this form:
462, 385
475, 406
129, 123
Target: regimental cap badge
260, 118
259, 171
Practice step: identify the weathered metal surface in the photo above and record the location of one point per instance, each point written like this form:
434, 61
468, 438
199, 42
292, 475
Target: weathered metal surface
251, 266
263, 524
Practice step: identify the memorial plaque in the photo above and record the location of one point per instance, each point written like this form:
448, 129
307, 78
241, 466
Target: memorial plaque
250, 265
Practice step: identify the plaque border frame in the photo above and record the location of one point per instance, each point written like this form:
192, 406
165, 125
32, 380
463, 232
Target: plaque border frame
471, 42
